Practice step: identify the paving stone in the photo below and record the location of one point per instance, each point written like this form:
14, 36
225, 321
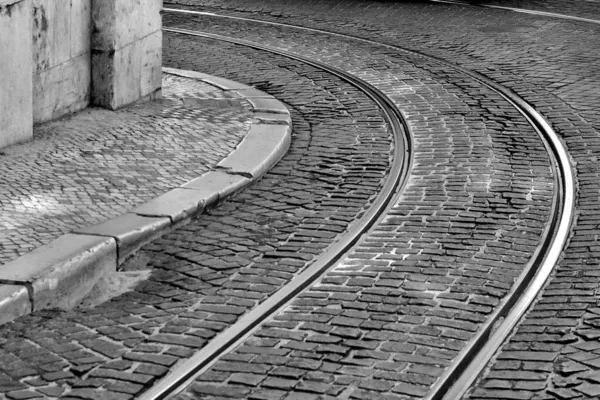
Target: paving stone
151, 369
226, 391
247, 379
93, 394
124, 387
54, 391
88, 383
589, 389
121, 376
24, 394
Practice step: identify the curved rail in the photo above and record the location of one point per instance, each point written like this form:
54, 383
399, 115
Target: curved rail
457, 379
248, 323
522, 10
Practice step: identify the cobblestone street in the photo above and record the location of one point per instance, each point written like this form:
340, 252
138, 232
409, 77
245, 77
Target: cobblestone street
401, 313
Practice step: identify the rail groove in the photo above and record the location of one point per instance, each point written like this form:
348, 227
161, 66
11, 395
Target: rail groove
470, 362
401, 162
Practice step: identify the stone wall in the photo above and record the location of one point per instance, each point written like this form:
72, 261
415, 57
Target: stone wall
58, 56
15, 72
61, 57
127, 57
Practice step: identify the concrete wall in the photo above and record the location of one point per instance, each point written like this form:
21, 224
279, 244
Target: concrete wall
62, 57
15, 72
57, 56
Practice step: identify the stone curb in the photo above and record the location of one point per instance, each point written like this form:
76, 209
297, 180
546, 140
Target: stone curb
61, 273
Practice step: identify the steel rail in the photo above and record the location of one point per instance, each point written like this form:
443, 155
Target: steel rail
185, 372
523, 11
470, 362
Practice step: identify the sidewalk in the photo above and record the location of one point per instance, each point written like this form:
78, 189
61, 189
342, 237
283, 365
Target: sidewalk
98, 165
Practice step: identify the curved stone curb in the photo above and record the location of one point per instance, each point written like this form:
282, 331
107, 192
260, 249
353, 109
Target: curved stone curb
61, 273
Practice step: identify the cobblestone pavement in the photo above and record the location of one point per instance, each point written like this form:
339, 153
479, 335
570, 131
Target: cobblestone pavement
387, 320
208, 273
552, 64
404, 303
98, 164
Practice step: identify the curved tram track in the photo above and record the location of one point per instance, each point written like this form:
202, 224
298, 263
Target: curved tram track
249, 322
472, 359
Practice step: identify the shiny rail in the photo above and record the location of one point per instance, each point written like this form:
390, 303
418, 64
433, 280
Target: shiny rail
524, 10
185, 372
470, 362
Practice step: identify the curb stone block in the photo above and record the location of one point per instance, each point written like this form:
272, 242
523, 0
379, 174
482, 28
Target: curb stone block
62, 272
226, 84
131, 231
217, 181
14, 302
178, 204
255, 93
261, 104
221, 83
263, 142
186, 73
272, 118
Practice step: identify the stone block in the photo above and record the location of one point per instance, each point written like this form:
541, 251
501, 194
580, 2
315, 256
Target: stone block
14, 302
113, 22
186, 73
262, 147
61, 53
261, 104
103, 21
62, 89
178, 204
253, 93
151, 68
272, 118
61, 26
127, 56
41, 34
226, 84
81, 27
15, 72
149, 16
131, 231
219, 182
62, 272
116, 77
51, 32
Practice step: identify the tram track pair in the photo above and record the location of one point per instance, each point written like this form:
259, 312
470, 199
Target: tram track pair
465, 368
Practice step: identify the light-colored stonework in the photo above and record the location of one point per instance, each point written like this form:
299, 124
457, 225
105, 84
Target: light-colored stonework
61, 57
126, 57
15, 72
46, 62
